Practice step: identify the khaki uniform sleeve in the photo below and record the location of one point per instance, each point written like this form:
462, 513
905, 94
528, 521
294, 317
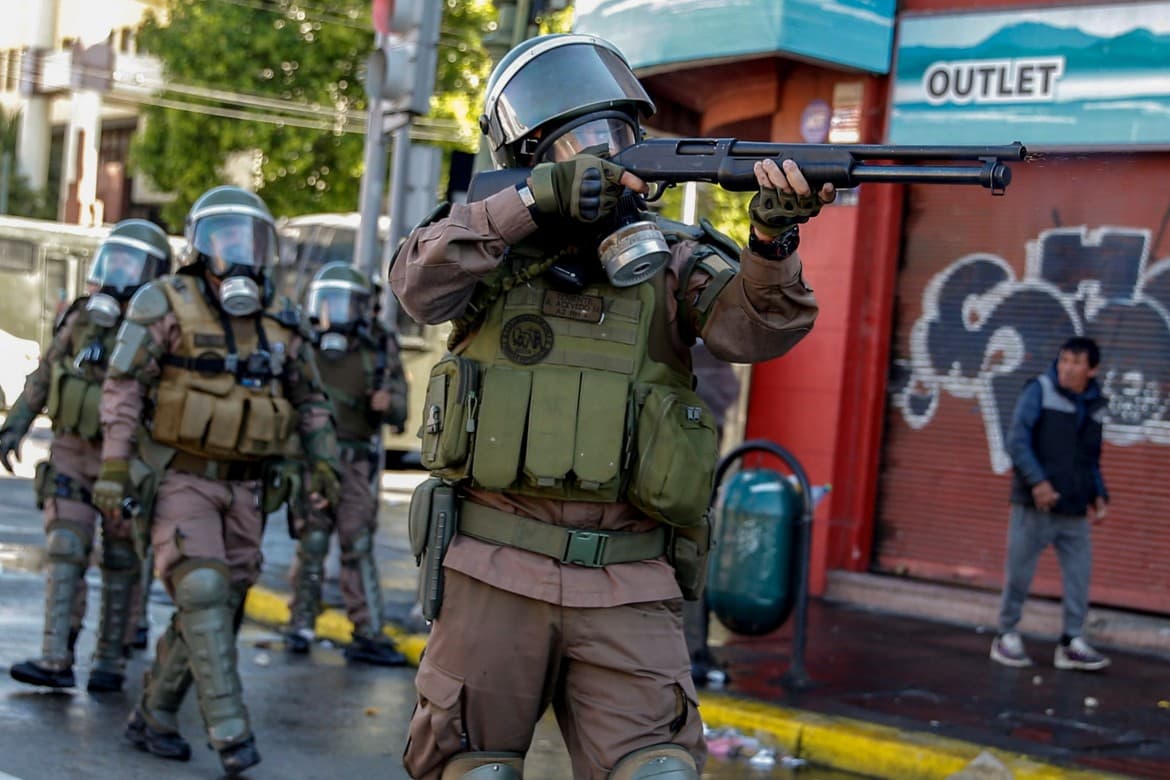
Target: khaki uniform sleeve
440, 263
36, 385
302, 386
763, 312
124, 397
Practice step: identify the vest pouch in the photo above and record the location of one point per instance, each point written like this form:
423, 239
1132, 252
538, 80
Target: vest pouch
552, 426
168, 414
198, 409
53, 404
674, 464
499, 436
43, 476
90, 424
449, 416
260, 428
419, 521
597, 456
687, 553
72, 401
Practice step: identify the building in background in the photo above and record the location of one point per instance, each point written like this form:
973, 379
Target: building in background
939, 302
72, 70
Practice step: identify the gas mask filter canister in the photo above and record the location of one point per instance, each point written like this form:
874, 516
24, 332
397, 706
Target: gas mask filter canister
239, 296
333, 345
103, 310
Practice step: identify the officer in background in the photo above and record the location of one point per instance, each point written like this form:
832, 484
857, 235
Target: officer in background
68, 380
565, 431
224, 381
362, 374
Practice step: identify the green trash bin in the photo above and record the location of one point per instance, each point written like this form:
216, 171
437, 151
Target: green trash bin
751, 580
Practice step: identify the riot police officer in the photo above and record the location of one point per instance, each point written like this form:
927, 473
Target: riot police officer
224, 380
68, 382
564, 429
362, 374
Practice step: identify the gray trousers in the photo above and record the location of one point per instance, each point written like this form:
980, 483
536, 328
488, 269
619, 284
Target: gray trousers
1029, 533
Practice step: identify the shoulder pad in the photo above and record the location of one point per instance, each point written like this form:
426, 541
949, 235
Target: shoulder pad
704, 233
149, 304
77, 305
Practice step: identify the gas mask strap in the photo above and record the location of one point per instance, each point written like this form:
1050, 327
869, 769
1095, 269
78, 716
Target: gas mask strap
231, 363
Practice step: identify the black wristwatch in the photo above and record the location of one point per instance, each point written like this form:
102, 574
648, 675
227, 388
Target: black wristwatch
780, 247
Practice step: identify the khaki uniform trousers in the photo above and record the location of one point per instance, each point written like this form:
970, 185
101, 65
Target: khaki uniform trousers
195, 517
357, 511
618, 679
80, 461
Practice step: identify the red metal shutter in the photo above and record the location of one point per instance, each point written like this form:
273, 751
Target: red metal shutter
987, 292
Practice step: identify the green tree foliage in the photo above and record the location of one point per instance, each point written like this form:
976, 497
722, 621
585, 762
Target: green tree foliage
23, 199
282, 54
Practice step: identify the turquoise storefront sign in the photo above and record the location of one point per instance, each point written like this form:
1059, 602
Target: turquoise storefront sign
660, 34
1090, 76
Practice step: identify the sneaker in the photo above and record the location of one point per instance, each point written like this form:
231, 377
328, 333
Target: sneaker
1008, 649
1079, 655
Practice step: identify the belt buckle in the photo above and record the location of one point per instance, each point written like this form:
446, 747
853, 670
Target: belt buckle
585, 548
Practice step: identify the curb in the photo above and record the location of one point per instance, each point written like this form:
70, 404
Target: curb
844, 744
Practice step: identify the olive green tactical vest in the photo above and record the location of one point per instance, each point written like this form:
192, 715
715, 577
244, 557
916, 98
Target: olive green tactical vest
576, 397
348, 380
75, 384
212, 413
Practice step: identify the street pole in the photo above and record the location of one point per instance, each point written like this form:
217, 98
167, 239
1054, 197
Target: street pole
374, 156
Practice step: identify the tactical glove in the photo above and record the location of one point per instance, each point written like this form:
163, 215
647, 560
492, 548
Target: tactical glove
773, 210
585, 188
10, 445
324, 482
110, 489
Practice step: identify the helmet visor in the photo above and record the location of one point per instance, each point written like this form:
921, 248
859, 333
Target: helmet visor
120, 267
611, 134
240, 240
561, 82
336, 305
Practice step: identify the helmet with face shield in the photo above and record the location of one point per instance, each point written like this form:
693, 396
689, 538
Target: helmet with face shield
338, 301
233, 235
134, 252
555, 96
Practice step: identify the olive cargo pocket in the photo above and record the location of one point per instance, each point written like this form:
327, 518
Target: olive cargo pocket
89, 426
71, 403
600, 431
552, 424
500, 433
449, 415
674, 464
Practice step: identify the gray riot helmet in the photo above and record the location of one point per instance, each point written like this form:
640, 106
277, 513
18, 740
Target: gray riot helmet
231, 232
561, 85
134, 252
338, 302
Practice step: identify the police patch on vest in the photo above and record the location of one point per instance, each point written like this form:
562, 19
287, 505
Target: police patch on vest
586, 308
526, 339
210, 340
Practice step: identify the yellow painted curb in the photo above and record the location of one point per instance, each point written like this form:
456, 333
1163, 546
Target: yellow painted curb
867, 748
840, 743
271, 609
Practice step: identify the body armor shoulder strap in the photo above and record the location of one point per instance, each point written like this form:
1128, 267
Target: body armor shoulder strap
78, 305
149, 304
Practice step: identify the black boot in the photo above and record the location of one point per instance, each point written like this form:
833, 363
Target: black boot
239, 757
706, 671
163, 744
141, 638
297, 642
377, 651
33, 673
101, 681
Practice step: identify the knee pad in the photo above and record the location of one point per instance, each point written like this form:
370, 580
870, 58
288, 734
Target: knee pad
315, 542
203, 585
118, 555
484, 766
67, 543
666, 761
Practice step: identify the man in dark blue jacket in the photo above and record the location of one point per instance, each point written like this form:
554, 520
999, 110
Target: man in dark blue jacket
1055, 446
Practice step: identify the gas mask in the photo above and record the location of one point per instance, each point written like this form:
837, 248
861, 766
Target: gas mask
103, 310
334, 345
240, 296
